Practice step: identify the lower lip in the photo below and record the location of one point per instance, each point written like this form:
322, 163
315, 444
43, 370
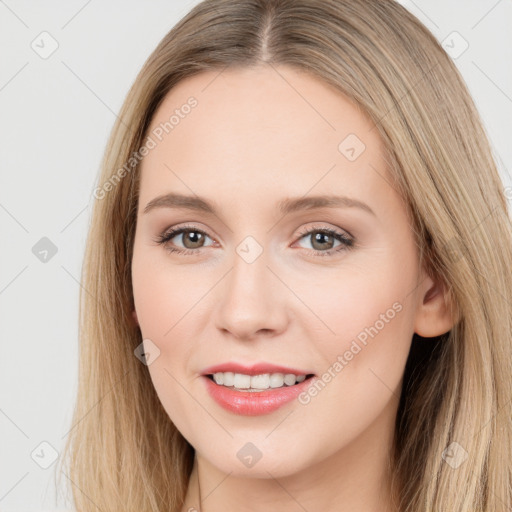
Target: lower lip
248, 403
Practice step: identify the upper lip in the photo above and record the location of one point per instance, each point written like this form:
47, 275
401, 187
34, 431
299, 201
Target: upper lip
253, 369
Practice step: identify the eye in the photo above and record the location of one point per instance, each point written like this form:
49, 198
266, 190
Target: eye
323, 241
191, 237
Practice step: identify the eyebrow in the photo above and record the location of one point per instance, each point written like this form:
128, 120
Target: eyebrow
285, 206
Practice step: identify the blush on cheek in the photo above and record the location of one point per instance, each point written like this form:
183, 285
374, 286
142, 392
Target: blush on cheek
161, 300
367, 326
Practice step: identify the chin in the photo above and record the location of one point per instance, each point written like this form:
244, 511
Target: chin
260, 466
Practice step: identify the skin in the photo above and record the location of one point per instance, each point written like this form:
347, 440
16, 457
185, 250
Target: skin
251, 141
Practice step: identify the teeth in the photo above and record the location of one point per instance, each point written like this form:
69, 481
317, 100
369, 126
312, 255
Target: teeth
289, 379
260, 381
229, 378
242, 381
276, 380
257, 382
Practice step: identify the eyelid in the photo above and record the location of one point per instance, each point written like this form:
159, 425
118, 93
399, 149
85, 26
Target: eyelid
304, 231
173, 231
346, 239
322, 227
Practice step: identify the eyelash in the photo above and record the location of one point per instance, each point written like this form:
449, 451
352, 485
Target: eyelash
166, 236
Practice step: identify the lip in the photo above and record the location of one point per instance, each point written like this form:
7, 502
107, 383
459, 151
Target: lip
248, 403
255, 369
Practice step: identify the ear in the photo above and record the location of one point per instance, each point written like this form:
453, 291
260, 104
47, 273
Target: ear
135, 319
436, 313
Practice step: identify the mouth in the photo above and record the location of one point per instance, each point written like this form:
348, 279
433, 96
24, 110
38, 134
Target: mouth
257, 383
255, 390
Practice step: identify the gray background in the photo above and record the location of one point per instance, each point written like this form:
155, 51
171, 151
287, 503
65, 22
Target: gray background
56, 114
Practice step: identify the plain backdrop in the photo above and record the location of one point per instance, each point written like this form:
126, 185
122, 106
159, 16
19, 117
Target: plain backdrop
56, 112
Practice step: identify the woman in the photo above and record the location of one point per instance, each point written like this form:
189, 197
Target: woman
227, 365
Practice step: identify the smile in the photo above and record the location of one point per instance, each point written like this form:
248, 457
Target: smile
251, 400
256, 383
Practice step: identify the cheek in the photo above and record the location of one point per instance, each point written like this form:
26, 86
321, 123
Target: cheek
363, 362
369, 311
358, 302
164, 294
164, 301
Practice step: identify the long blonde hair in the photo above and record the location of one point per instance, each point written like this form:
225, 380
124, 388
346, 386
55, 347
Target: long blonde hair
122, 451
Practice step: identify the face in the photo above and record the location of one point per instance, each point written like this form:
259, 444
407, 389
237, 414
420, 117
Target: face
327, 289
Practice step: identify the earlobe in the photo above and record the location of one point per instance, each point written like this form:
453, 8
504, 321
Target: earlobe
436, 313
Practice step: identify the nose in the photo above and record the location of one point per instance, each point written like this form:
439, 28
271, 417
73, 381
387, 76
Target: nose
252, 301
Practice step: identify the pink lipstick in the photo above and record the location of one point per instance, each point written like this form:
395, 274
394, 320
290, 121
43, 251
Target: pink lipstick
254, 390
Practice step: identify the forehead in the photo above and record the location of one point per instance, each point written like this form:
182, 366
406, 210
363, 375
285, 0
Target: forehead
261, 127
